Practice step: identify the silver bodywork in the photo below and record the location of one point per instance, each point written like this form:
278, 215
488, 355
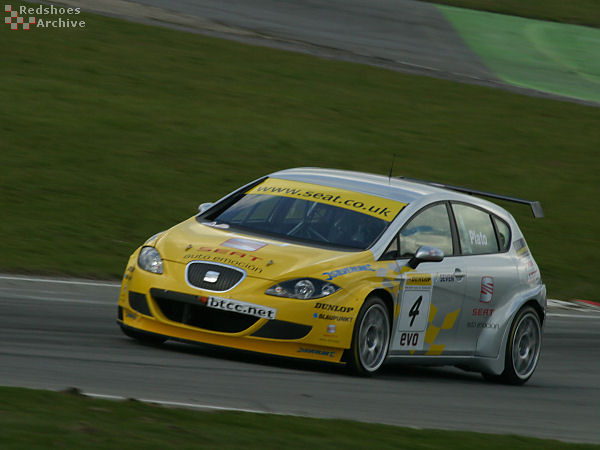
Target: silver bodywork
477, 339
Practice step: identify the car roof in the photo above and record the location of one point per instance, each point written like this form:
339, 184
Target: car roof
366, 183
398, 189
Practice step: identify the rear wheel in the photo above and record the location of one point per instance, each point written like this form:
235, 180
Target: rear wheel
370, 338
143, 336
522, 348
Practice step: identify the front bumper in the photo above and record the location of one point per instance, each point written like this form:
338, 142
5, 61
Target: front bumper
167, 305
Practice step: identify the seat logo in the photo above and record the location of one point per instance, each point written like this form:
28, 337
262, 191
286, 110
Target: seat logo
487, 289
211, 277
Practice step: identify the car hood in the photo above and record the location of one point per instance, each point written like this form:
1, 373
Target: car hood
260, 257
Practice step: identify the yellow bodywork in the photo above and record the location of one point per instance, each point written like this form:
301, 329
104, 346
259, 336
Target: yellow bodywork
266, 262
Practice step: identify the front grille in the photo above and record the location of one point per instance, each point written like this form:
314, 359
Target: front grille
228, 277
187, 309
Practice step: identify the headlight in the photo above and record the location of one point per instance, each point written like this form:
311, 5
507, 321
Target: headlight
303, 288
150, 260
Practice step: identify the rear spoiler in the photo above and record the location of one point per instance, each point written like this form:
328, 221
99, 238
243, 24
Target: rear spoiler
536, 207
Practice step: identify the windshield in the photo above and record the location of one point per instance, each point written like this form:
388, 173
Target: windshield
302, 220
306, 212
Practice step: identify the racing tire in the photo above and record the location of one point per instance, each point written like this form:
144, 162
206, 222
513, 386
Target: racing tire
370, 338
522, 348
143, 336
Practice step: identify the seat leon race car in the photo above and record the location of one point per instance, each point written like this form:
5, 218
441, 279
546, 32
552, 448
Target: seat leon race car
345, 267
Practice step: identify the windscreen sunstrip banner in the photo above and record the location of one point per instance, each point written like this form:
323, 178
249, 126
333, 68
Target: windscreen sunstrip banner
379, 207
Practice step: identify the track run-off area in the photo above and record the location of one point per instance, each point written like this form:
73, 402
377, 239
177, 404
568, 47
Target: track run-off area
61, 333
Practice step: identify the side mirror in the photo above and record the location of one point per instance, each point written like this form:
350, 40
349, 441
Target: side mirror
425, 253
204, 206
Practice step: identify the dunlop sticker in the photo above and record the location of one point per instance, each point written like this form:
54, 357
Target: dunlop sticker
418, 279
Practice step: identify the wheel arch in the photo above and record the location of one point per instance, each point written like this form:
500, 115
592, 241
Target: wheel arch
536, 306
496, 365
510, 373
387, 298
351, 355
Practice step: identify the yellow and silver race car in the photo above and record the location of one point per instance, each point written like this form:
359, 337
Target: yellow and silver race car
345, 267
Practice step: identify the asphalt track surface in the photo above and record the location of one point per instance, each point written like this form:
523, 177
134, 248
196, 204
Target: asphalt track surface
404, 35
405, 32
57, 334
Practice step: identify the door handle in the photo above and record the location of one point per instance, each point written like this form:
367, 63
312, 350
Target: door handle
459, 274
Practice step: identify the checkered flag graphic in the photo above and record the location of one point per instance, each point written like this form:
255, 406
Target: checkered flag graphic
14, 20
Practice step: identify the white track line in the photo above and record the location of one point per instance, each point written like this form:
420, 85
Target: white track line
74, 300
574, 316
65, 300
180, 404
49, 280
557, 304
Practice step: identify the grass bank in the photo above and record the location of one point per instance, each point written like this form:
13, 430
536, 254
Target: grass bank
580, 12
39, 419
115, 131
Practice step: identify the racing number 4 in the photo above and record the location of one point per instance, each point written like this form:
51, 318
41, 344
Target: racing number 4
413, 321
414, 310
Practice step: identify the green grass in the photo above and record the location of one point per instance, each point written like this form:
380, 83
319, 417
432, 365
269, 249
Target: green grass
579, 12
39, 419
113, 132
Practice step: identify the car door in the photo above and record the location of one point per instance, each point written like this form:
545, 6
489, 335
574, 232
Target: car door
430, 298
490, 273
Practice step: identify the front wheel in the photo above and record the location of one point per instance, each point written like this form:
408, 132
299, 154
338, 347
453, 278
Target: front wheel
522, 348
370, 338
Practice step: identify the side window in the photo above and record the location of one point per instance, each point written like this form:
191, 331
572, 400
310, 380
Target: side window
475, 230
503, 234
429, 227
391, 252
